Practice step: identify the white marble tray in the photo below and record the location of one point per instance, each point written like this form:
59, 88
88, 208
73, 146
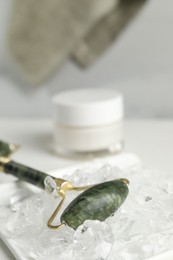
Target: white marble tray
7, 189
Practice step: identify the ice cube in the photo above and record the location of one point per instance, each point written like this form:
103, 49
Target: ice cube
19, 197
28, 219
51, 243
5, 212
93, 240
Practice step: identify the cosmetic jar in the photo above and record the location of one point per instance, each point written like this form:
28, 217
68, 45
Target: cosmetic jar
88, 122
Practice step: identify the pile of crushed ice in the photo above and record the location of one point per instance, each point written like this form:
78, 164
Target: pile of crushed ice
140, 229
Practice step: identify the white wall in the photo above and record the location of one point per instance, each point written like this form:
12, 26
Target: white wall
140, 64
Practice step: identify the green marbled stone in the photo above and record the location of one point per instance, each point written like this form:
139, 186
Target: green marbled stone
4, 149
25, 173
97, 203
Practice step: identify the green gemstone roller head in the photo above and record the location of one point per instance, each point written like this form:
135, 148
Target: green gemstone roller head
96, 203
7, 149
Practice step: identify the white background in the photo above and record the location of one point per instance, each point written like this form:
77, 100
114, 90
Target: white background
140, 64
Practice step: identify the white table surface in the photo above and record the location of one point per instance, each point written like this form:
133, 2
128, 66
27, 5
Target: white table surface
151, 140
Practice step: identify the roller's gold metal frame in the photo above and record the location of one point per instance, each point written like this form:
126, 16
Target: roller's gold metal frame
63, 186
3, 161
6, 159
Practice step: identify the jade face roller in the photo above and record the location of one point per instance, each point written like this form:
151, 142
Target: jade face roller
97, 202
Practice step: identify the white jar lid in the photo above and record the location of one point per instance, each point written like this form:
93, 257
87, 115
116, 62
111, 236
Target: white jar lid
88, 107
